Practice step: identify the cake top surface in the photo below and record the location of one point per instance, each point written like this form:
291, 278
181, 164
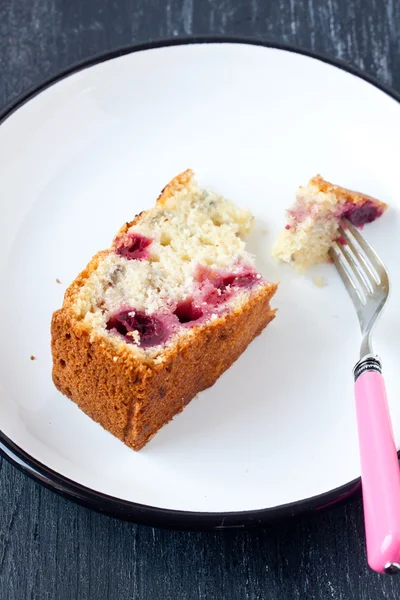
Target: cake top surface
340, 195
321, 199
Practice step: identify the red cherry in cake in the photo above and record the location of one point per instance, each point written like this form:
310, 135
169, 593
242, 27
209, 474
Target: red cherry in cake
187, 311
150, 328
216, 296
134, 247
225, 285
241, 280
225, 282
360, 215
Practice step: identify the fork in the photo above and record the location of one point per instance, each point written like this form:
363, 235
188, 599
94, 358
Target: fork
367, 282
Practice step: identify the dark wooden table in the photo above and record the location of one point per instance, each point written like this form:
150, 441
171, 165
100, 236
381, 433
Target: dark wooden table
52, 549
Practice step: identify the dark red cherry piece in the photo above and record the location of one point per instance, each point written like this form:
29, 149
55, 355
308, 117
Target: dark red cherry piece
187, 311
242, 280
134, 247
366, 213
151, 330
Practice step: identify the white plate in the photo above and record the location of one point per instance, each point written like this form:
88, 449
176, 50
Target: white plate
276, 435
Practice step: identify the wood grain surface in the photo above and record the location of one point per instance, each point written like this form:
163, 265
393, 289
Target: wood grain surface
52, 549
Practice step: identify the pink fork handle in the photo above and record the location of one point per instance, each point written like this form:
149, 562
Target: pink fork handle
380, 472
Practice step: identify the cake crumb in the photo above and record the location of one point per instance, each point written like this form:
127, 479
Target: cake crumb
264, 231
135, 335
319, 281
57, 280
33, 357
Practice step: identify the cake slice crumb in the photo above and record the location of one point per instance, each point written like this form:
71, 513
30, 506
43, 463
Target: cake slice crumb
314, 219
319, 281
158, 316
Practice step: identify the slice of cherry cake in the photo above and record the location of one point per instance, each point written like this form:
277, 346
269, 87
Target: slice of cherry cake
160, 315
313, 221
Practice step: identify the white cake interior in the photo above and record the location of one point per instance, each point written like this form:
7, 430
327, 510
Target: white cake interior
195, 231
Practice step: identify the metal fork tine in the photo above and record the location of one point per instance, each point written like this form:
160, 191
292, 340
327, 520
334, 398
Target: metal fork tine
358, 261
347, 275
363, 249
364, 276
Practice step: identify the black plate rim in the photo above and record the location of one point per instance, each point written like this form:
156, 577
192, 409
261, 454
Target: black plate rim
131, 511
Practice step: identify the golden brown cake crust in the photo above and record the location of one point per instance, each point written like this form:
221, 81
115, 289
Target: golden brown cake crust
344, 195
133, 399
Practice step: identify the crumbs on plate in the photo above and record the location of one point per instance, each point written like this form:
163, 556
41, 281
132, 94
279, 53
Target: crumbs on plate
319, 281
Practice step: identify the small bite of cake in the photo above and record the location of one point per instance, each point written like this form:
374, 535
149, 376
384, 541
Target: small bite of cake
313, 221
161, 314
